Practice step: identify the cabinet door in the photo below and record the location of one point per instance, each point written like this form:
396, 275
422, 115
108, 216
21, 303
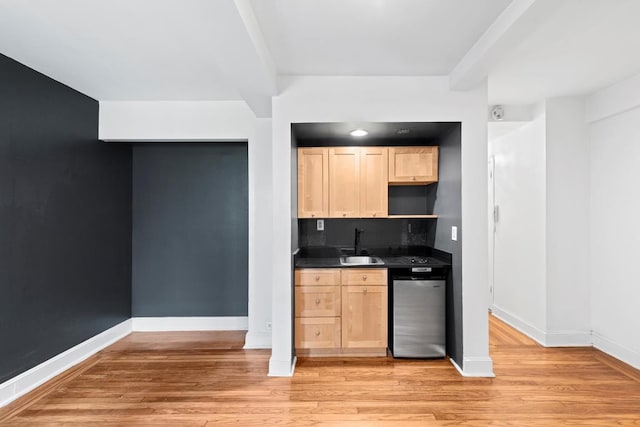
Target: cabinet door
364, 316
413, 165
344, 182
374, 198
313, 182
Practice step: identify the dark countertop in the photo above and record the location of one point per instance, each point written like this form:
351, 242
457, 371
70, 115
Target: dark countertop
329, 257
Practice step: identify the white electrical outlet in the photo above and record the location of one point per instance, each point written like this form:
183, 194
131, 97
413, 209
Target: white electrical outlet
320, 225
454, 233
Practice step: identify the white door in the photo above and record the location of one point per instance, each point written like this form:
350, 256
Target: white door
493, 211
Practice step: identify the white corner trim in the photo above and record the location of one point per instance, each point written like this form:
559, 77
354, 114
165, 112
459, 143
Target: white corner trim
619, 351
257, 340
282, 368
17, 386
455, 365
476, 367
519, 324
196, 323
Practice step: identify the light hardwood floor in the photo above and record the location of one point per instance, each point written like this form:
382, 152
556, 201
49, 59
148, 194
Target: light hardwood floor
206, 378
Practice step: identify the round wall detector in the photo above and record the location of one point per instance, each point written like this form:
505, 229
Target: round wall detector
497, 113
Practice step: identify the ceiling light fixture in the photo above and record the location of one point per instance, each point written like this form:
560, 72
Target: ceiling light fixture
358, 132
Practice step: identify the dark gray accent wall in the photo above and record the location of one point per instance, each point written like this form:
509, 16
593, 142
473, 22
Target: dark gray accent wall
412, 199
190, 229
448, 207
65, 221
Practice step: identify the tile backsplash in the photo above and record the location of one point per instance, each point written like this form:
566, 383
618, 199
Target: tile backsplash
378, 233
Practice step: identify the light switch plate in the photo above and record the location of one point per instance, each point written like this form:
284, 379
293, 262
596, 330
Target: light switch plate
454, 233
320, 225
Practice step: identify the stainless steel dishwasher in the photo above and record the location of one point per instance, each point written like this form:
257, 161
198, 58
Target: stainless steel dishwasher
418, 324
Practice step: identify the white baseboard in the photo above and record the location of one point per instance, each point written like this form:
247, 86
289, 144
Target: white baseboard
196, 323
519, 324
568, 339
282, 368
620, 352
478, 367
17, 386
545, 339
257, 340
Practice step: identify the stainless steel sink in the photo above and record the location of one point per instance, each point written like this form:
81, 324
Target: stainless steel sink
360, 260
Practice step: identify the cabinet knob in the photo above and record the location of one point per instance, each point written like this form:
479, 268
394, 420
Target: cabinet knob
317, 333
374, 215
317, 278
364, 291
317, 300
364, 277
414, 178
344, 214
313, 215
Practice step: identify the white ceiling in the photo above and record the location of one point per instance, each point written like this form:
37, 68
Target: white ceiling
118, 49
372, 37
234, 49
583, 46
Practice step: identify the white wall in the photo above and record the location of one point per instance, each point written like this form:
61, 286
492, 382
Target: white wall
138, 121
386, 99
614, 224
175, 120
567, 222
519, 259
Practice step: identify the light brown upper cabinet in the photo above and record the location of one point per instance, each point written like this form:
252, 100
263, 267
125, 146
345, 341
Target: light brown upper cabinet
313, 182
374, 190
344, 182
413, 165
358, 186
353, 182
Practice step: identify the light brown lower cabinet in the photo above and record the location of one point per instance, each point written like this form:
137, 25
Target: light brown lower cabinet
364, 316
341, 312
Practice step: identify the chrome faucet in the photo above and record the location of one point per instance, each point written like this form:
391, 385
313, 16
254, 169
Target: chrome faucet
356, 241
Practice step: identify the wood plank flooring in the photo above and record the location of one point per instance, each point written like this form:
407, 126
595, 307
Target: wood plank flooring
205, 378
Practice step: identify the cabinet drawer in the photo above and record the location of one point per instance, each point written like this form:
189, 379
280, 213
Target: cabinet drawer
364, 276
317, 301
318, 276
318, 332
